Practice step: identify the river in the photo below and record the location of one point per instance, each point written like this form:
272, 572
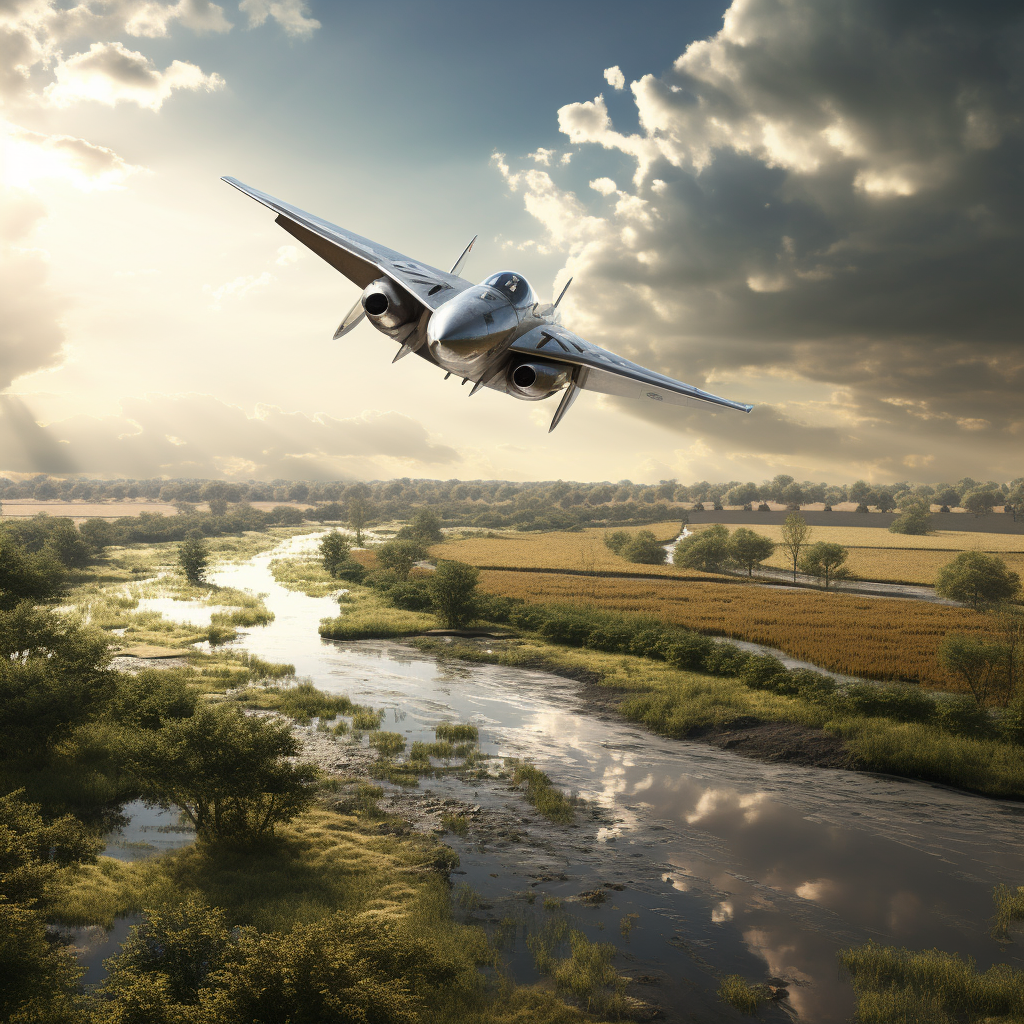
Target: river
731, 865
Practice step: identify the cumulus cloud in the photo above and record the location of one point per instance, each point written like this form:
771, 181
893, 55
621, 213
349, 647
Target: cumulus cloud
32, 157
33, 33
615, 78
197, 435
291, 15
110, 73
826, 193
153, 19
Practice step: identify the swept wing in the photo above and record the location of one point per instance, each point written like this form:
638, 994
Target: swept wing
609, 374
359, 259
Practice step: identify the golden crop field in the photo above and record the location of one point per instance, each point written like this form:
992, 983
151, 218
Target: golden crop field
879, 638
875, 537
877, 554
897, 566
584, 552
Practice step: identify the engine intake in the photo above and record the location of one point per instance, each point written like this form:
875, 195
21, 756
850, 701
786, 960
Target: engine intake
534, 381
389, 308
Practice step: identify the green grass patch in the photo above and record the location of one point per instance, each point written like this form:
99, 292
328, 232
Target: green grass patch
456, 732
302, 702
366, 615
1009, 908
387, 743
895, 986
738, 992
306, 575
552, 803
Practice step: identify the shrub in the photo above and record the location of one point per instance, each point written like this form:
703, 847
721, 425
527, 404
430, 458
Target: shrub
644, 549
813, 686
900, 703
725, 660
707, 550
761, 671
452, 590
977, 578
617, 540
457, 732
689, 650
962, 716
412, 595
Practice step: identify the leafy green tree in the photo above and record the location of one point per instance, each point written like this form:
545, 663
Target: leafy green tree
707, 549
748, 548
228, 773
27, 576
977, 579
741, 494
644, 549
979, 502
360, 513
218, 506
334, 552
400, 556
193, 556
796, 535
914, 518
979, 663
616, 540
68, 545
452, 589
825, 560
426, 527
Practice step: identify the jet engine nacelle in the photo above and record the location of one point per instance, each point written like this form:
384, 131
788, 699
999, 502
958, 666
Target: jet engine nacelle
389, 308
533, 381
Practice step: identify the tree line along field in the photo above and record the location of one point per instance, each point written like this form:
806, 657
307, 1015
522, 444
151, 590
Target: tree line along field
884, 639
583, 551
876, 554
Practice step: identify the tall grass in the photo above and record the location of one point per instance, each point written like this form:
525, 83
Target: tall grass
366, 616
738, 992
896, 985
552, 803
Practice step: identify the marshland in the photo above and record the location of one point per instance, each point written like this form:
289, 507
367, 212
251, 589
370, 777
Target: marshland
586, 804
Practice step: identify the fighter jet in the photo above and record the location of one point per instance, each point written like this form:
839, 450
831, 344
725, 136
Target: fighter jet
494, 334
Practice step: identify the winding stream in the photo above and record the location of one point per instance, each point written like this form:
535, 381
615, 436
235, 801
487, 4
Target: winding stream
732, 865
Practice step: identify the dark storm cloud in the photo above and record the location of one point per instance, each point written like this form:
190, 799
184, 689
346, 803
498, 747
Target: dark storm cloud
829, 189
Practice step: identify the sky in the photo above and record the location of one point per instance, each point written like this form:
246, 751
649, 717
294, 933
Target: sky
810, 205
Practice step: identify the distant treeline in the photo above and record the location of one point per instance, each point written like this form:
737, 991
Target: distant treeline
540, 505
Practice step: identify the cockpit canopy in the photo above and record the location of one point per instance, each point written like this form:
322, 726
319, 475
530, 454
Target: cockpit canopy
514, 287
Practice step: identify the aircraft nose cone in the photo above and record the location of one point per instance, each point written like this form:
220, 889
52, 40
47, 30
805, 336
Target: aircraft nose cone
452, 324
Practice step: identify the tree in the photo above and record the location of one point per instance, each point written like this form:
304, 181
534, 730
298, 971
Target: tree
946, 495
976, 578
334, 551
229, 773
825, 560
796, 535
360, 511
644, 549
399, 556
792, 494
193, 556
914, 518
707, 549
616, 540
979, 502
884, 502
218, 506
981, 664
26, 576
426, 527
741, 494
68, 545
452, 589
748, 548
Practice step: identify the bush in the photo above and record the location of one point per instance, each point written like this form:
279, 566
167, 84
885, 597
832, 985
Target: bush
725, 660
689, 650
900, 703
707, 550
617, 540
812, 686
229, 773
452, 589
644, 549
761, 671
412, 595
400, 556
962, 716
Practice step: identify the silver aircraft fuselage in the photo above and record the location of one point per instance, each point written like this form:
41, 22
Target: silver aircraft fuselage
495, 334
